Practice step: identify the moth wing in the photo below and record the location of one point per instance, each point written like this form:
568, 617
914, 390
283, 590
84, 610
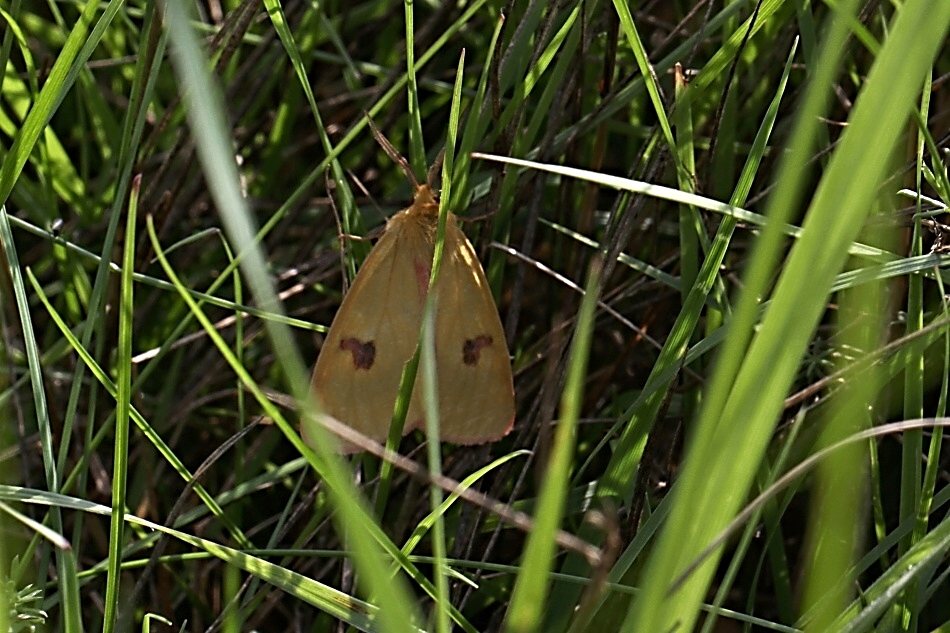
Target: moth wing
476, 393
374, 332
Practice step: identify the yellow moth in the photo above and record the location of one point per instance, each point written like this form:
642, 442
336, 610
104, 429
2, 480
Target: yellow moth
356, 378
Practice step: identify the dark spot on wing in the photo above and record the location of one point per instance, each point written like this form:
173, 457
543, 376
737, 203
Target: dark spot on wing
364, 354
472, 348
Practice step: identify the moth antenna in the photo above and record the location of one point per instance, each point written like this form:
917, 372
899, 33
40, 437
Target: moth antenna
392, 152
434, 170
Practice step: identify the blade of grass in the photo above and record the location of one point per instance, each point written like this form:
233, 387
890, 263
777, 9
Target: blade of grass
427, 358
478, 119
55, 538
682, 197
864, 613
651, 83
355, 612
528, 600
561, 48
712, 72
913, 487
66, 562
204, 108
426, 524
839, 491
201, 297
417, 146
123, 396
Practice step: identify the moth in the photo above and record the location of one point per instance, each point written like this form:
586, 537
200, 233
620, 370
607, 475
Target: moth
375, 332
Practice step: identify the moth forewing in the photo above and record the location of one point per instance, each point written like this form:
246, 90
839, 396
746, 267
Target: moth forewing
476, 394
356, 377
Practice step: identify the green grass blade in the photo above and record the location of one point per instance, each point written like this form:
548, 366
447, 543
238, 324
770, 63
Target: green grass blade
417, 146
123, 396
529, 598
66, 562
